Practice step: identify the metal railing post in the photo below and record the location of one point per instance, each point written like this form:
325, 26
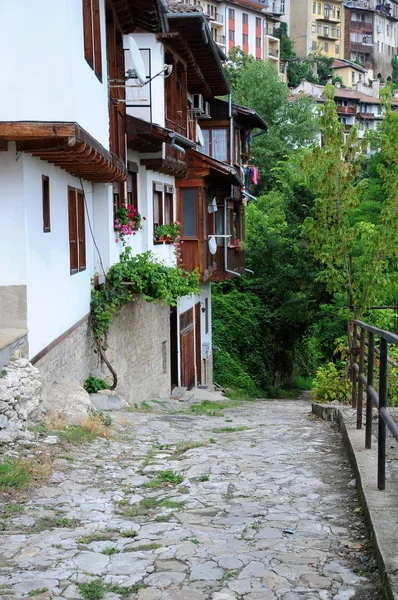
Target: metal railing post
369, 403
354, 348
360, 382
381, 462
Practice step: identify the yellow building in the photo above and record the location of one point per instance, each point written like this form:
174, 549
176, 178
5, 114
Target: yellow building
349, 73
317, 28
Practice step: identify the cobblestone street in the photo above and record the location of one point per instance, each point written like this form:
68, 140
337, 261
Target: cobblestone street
268, 511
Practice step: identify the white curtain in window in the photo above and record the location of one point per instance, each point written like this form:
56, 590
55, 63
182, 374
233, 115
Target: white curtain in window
219, 144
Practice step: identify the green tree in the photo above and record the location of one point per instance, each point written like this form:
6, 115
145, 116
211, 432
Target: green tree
237, 62
358, 257
291, 124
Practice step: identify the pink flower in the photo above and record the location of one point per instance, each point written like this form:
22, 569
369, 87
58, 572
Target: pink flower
117, 226
144, 218
134, 232
116, 240
180, 260
177, 223
182, 241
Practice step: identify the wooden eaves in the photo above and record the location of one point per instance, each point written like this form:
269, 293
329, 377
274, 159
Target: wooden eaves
133, 15
201, 165
194, 43
65, 145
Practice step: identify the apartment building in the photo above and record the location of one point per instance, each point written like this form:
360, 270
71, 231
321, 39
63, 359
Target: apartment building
317, 27
371, 35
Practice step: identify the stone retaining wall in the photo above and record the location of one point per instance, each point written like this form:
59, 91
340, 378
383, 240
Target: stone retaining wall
138, 349
20, 399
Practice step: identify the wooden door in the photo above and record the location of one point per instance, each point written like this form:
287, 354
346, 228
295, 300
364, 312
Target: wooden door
187, 349
198, 345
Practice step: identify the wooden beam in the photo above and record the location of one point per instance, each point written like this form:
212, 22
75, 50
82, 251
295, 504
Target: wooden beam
27, 130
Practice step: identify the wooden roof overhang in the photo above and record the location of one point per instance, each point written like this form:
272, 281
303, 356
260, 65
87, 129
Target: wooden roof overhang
171, 166
150, 15
249, 117
219, 173
150, 137
65, 145
191, 39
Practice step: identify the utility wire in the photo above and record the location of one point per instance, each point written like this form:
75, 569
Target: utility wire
91, 229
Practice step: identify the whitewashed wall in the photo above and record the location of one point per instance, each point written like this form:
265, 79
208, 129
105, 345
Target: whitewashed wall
12, 220
56, 300
44, 75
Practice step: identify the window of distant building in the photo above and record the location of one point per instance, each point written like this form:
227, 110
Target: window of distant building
313, 27
245, 18
337, 49
231, 14
314, 8
319, 8
326, 47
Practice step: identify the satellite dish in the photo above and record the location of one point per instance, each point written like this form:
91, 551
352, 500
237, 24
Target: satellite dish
199, 136
136, 61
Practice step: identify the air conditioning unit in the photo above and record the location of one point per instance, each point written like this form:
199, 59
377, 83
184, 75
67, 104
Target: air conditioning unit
206, 111
197, 105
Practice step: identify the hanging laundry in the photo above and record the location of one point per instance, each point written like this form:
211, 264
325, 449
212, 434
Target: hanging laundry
255, 175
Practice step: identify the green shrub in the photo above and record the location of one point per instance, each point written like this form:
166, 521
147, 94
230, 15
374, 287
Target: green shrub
330, 384
92, 385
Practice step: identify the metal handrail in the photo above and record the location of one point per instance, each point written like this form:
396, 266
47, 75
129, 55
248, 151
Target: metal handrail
360, 380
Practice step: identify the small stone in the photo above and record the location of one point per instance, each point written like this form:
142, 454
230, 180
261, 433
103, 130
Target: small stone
51, 439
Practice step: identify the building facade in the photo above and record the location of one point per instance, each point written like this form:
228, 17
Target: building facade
317, 27
68, 165
371, 31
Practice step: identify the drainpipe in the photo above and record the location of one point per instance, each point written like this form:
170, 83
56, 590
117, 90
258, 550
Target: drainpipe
231, 162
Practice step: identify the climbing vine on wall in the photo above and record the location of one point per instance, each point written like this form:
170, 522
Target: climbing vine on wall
141, 274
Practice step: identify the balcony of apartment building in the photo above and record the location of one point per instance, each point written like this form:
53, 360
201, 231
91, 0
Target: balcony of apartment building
217, 19
276, 7
218, 38
361, 4
385, 7
360, 39
346, 110
271, 47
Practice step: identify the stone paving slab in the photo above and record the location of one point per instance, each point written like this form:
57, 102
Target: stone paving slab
262, 513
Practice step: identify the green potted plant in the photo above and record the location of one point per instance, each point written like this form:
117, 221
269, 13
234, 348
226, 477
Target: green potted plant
170, 232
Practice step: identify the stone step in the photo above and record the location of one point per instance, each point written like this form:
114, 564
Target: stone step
186, 397
178, 392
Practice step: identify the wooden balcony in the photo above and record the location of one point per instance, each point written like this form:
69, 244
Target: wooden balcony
350, 110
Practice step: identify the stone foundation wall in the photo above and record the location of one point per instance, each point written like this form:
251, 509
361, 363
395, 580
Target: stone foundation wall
71, 358
139, 350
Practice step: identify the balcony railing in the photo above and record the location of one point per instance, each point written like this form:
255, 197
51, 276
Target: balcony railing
272, 31
217, 18
273, 53
346, 109
357, 4
220, 39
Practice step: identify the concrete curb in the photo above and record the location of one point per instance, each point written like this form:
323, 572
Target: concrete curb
380, 508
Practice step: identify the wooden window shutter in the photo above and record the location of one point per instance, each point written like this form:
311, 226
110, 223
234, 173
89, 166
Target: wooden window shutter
73, 236
88, 33
46, 203
97, 38
81, 230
